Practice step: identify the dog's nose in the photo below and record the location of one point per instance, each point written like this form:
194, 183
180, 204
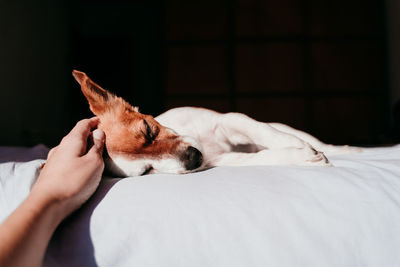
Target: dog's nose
192, 158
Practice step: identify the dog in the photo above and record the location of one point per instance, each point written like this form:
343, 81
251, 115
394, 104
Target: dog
189, 139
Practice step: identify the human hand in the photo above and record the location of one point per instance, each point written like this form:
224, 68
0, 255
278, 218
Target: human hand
73, 169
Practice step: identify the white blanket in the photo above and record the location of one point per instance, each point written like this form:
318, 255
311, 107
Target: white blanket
347, 215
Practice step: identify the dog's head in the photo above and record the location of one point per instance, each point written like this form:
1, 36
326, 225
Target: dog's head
136, 143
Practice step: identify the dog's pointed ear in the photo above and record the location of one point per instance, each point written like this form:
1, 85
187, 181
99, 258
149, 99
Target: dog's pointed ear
100, 100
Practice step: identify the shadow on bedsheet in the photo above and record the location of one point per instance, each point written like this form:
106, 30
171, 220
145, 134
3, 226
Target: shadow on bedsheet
23, 154
71, 244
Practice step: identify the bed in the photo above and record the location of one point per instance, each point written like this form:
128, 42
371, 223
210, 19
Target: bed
347, 215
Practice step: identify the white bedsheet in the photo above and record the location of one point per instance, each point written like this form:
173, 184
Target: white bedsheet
347, 215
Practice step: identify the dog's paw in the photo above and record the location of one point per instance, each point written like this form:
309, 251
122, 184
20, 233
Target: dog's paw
312, 157
318, 159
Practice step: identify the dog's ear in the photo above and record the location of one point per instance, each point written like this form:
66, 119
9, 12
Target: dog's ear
100, 100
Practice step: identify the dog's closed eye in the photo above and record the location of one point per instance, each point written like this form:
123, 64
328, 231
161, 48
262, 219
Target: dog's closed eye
148, 133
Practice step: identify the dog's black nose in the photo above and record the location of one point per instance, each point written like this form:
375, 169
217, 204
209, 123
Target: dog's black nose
192, 158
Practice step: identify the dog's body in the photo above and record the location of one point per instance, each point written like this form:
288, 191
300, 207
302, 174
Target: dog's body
188, 139
234, 139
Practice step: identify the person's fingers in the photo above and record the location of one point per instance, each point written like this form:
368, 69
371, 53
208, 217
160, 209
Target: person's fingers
98, 143
78, 137
83, 127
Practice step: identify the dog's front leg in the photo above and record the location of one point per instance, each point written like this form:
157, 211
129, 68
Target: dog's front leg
284, 156
241, 129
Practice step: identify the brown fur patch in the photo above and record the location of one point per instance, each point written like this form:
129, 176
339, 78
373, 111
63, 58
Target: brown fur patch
124, 127
127, 136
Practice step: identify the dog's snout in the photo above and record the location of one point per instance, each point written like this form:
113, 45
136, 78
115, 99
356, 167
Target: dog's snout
192, 158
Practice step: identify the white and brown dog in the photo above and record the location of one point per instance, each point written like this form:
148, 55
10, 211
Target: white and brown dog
188, 139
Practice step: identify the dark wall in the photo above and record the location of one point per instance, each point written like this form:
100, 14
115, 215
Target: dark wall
320, 66
33, 72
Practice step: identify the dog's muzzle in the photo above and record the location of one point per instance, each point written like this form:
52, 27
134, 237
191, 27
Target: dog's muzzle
192, 158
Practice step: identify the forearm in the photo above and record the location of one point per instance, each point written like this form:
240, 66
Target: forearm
70, 176
25, 234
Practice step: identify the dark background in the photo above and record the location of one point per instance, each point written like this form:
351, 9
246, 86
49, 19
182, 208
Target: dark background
322, 66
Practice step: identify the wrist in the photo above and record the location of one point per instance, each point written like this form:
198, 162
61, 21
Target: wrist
26, 233
46, 204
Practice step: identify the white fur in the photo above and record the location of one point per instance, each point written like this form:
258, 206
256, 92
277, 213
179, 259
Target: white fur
223, 136
125, 167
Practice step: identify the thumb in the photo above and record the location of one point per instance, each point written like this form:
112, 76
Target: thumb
52, 151
98, 142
